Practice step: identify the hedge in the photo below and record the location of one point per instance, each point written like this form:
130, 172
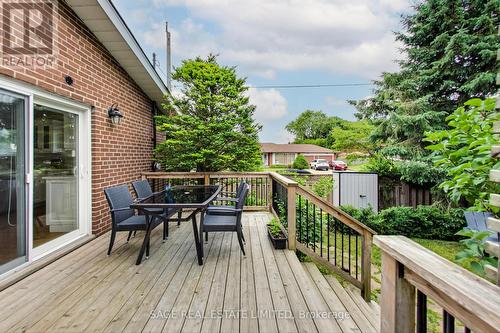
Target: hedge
426, 222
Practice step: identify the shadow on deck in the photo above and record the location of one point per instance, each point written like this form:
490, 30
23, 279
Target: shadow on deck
265, 291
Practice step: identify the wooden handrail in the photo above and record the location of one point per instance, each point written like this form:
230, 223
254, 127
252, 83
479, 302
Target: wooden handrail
283, 180
171, 175
294, 189
407, 266
335, 211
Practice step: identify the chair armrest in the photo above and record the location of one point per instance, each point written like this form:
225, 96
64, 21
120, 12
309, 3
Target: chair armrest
226, 199
119, 209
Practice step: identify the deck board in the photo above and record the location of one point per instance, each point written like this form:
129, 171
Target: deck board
89, 291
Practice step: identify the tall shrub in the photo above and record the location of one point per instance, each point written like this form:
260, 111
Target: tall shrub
210, 125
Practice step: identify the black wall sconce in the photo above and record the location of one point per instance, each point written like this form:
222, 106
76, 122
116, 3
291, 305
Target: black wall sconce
114, 114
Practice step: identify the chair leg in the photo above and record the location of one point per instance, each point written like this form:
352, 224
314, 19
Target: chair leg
129, 235
165, 230
135, 232
240, 240
111, 241
179, 217
243, 237
206, 236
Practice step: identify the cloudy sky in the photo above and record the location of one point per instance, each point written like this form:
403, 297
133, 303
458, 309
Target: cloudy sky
279, 42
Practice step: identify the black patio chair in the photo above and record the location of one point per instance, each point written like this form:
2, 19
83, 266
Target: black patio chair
123, 217
228, 197
143, 190
227, 222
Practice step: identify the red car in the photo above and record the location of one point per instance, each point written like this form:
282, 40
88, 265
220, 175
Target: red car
338, 165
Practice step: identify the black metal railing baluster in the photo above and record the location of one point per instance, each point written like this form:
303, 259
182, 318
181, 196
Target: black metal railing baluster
328, 237
321, 232
307, 223
356, 244
335, 240
349, 251
421, 312
342, 254
314, 228
300, 219
448, 322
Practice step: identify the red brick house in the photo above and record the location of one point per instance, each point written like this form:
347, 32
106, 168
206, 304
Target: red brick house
285, 154
59, 147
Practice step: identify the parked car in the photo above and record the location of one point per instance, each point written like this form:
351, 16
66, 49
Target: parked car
338, 165
319, 165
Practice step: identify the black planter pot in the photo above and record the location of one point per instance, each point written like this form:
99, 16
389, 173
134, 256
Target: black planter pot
279, 242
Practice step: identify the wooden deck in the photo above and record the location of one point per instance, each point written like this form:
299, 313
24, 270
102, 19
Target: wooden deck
265, 291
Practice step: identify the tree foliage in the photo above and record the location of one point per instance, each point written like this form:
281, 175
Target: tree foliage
312, 125
316, 127
464, 152
352, 137
210, 126
450, 48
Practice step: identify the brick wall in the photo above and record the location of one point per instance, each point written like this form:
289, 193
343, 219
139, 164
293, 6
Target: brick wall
121, 153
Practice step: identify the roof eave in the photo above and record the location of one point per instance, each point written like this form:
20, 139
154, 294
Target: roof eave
138, 66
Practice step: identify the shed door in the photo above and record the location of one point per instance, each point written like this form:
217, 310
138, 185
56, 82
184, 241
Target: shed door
359, 190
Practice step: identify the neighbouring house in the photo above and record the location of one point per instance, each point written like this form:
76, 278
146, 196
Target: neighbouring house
61, 139
285, 154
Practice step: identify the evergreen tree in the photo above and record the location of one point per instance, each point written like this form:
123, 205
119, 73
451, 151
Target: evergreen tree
211, 125
450, 48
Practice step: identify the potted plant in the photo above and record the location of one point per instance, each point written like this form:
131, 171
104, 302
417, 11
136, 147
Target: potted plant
277, 236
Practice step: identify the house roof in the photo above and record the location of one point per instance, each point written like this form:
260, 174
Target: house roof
103, 19
266, 147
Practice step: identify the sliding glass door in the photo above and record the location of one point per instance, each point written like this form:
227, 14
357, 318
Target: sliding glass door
45, 182
13, 231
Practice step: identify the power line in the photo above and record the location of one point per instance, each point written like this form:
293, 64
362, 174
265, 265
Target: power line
311, 85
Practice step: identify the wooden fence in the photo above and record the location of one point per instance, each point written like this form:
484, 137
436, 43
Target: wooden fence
395, 193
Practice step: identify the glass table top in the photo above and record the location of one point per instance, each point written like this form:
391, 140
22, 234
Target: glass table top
180, 196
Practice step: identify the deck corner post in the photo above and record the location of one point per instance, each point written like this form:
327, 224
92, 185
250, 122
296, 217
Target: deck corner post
397, 299
366, 265
206, 178
291, 215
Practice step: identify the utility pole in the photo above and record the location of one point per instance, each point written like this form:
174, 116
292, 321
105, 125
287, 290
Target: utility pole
169, 58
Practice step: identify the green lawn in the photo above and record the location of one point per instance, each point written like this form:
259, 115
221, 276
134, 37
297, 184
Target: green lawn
358, 167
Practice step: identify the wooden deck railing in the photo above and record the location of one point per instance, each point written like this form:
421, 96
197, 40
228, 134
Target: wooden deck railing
411, 274
324, 232
259, 197
314, 226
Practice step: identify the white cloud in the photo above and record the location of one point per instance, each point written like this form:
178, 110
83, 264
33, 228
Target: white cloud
265, 36
271, 105
334, 102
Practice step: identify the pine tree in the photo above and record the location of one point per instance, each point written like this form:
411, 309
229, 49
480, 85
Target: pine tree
211, 125
450, 51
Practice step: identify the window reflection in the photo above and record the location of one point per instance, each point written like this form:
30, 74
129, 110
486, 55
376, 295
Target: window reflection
55, 195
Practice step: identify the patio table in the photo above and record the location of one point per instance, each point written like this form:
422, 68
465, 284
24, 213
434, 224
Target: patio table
174, 199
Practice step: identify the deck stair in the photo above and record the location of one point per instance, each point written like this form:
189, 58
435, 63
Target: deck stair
364, 317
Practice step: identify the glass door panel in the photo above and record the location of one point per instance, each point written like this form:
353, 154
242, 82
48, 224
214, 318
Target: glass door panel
55, 174
12, 181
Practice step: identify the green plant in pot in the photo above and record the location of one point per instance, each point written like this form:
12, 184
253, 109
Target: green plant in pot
276, 234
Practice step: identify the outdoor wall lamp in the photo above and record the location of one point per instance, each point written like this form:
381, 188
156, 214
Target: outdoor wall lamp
114, 114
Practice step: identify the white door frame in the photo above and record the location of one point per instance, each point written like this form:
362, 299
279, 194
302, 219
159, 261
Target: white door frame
38, 96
